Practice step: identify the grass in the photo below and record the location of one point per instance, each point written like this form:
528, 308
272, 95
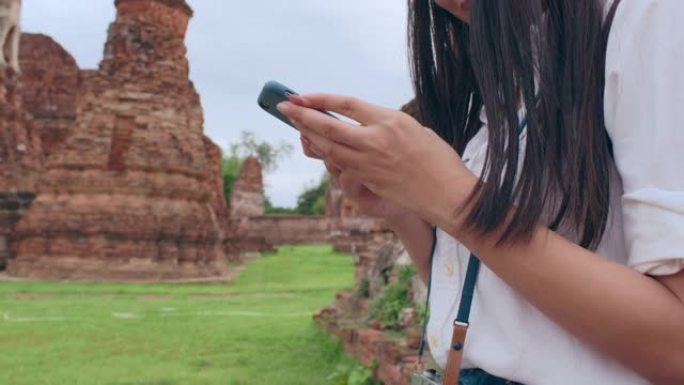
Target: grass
255, 330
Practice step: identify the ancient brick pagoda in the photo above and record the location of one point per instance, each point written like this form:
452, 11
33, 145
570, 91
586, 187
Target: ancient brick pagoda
130, 188
247, 198
20, 158
52, 84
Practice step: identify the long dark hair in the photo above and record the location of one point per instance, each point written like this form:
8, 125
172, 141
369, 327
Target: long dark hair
548, 55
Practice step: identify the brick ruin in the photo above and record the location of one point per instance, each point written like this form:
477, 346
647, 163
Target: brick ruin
106, 174
247, 199
130, 187
341, 225
20, 157
392, 353
52, 83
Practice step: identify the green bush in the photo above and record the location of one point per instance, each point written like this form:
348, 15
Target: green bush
312, 200
352, 375
230, 168
394, 298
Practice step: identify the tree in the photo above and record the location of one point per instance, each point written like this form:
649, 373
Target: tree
312, 200
230, 168
270, 209
268, 154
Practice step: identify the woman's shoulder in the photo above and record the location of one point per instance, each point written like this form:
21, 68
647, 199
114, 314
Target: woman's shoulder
633, 15
646, 45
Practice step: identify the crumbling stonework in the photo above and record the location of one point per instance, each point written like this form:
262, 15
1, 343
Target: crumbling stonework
10, 31
291, 229
128, 195
230, 239
247, 198
20, 159
246, 206
359, 234
392, 358
214, 156
51, 86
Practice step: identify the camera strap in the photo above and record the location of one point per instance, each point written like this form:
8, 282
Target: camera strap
462, 320
461, 323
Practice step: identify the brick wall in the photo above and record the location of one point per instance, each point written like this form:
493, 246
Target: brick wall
51, 86
291, 229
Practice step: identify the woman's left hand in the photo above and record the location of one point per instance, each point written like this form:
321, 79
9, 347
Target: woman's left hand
389, 151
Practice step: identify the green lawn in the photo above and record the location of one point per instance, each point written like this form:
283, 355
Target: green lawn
256, 330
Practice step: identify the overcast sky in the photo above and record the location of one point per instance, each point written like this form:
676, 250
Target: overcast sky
354, 47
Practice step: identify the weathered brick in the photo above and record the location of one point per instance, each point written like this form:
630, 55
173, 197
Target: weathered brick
131, 184
51, 85
20, 157
247, 199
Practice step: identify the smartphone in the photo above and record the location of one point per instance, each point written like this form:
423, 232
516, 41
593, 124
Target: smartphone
274, 93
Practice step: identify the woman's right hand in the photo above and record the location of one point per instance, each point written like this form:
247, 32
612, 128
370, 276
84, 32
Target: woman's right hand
367, 202
414, 233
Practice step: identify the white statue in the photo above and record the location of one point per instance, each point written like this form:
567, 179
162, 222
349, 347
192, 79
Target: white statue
10, 33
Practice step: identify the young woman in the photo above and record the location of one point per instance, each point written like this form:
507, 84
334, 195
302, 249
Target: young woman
578, 219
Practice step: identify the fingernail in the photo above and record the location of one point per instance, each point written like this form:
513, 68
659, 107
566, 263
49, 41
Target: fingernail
298, 99
283, 107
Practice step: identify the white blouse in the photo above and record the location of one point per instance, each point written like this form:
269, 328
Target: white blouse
644, 109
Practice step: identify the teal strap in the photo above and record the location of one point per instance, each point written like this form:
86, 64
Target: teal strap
480, 377
468, 290
466, 295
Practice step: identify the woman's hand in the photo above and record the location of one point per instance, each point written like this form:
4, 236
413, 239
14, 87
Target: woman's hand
367, 202
392, 155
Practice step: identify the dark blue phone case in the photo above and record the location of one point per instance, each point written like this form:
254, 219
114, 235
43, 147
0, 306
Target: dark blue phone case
274, 93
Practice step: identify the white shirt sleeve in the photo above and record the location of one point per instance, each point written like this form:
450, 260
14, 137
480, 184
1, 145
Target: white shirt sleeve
645, 120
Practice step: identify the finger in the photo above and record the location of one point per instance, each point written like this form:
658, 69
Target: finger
309, 120
345, 158
309, 151
353, 108
337, 155
318, 144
